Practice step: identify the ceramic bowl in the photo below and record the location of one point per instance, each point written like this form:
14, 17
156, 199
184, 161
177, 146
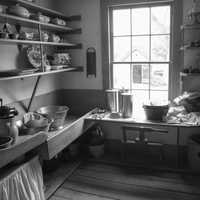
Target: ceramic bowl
19, 11
14, 36
5, 141
58, 21
41, 18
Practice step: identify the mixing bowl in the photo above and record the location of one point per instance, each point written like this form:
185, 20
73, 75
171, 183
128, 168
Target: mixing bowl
56, 114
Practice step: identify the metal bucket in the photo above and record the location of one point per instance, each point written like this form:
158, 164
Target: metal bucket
112, 100
127, 105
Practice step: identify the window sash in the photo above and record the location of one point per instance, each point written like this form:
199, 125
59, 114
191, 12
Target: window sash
112, 36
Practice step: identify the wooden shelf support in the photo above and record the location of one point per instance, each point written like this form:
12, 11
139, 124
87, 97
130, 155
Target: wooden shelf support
33, 93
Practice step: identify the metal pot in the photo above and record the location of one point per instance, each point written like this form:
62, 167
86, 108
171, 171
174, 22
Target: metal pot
7, 123
156, 113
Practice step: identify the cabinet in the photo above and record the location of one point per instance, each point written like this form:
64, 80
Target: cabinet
40, 26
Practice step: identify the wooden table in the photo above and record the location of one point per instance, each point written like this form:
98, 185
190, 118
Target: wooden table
176, 135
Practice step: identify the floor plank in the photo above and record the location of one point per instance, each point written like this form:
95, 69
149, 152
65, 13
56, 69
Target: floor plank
132, 179
142, 173
128, 191
97, 181
54, 179
59, 198
77, 195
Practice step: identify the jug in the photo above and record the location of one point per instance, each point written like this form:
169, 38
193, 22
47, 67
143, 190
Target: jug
7, 123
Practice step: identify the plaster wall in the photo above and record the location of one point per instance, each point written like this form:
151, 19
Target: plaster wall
90, 37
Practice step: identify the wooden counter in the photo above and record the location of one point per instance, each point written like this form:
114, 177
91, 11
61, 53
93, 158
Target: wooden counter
106, 118
58, 140
51, 143
178, 133
23, 145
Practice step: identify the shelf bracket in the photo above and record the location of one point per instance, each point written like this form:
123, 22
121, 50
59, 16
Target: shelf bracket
33, 93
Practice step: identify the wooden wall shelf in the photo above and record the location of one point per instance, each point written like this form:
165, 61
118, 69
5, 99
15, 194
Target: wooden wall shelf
69, 69
47, 11
182, 74
26, 22
187, 47
190, 27
63, 44
20, 22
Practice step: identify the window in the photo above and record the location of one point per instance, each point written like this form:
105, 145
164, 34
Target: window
140, 50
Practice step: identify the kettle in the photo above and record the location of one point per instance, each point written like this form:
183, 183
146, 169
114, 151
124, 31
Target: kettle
7, 123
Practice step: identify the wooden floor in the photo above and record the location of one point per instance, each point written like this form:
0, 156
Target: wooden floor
98, 181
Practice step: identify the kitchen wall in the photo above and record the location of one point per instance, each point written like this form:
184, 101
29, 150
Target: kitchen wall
90, 37
90, 11
16, 90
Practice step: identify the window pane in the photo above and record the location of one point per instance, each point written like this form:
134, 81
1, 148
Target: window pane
159, 96
140, 79
140, 21
140, 48
159, 76
160, 20
122, 49
121, 76
121, 22
139, 97
160, 48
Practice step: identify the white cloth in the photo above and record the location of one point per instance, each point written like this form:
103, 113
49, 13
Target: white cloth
25, 183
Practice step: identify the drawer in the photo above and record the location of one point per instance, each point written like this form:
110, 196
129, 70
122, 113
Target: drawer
114, 131
155, 133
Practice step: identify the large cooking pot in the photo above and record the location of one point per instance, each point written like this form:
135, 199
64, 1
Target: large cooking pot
7, 123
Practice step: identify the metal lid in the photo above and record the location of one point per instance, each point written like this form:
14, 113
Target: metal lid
7, 112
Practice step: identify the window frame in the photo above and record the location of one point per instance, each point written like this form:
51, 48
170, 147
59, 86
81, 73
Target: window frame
176, 21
